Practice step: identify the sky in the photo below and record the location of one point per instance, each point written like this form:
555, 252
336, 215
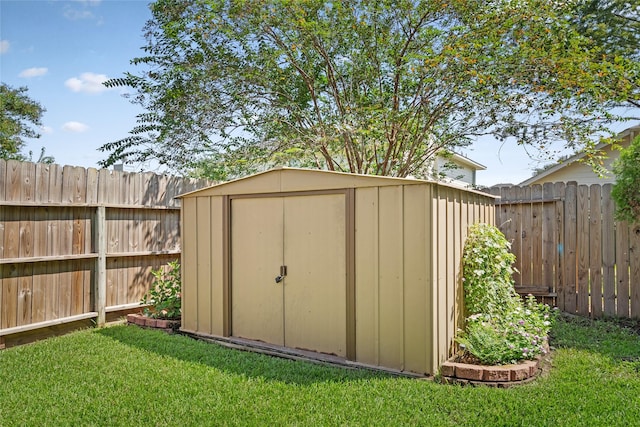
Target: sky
62, 51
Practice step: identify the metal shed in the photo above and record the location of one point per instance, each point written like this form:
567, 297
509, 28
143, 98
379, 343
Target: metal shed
365, 268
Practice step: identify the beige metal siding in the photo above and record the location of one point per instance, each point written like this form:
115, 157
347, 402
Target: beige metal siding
367, 276
408, 248
189, 265
417, 275
217, 258
315, 286
203, 212
391, 277
257, 253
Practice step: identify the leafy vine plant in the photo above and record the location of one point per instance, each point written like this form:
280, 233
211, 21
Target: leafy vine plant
164, 299
501, 327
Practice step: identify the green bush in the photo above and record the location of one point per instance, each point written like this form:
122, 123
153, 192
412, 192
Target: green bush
626, 190
487, 271
500, 328
164, 297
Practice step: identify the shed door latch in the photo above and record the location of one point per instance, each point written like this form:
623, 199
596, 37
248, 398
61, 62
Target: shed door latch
283, 273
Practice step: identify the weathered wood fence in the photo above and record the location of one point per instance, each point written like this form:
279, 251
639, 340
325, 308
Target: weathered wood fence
569, 247
79, 244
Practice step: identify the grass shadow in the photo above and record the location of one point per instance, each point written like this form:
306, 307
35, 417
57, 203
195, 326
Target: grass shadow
238, 362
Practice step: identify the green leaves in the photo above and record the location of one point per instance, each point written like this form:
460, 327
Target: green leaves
18, 116
626, 190
499, 328
364, 86
164, 297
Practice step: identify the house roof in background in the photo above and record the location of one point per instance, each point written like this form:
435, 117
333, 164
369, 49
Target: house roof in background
576, 157
468, 162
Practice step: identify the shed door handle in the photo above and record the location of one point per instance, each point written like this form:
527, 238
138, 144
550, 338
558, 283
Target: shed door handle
283, 273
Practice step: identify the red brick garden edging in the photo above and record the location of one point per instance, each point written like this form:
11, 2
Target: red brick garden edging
142, 320
494, 376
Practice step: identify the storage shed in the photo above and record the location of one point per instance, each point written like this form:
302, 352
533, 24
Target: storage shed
366, 268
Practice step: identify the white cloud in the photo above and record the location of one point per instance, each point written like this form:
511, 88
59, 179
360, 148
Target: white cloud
4, 46
75, 127
87, 83
47, 130
33, 72
75, 15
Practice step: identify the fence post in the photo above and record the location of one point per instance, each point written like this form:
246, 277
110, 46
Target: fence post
101, 265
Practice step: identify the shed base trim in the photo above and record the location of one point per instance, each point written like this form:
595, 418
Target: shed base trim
296, 354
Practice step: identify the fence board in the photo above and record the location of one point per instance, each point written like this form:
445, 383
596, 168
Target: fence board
516, 230
582, 250
52, 294
570, 242
622, 269
634, 261
590, 261
549, 244
595, 250
49, 246
608, 252
536, 237
525, 264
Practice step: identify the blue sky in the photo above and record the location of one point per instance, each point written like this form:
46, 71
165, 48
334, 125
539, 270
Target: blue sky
63, 50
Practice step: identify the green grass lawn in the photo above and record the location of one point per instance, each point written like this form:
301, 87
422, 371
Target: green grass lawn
126, 376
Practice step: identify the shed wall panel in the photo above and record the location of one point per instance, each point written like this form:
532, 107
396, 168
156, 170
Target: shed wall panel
367, 275
189, 267
440, 283
203, 211
217, 259
391, 278
416, 234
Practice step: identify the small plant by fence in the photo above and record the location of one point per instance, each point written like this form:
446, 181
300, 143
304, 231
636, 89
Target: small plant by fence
80, 243
569, 246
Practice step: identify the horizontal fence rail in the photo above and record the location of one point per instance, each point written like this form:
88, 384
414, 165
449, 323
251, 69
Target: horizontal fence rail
78, 243
570, 248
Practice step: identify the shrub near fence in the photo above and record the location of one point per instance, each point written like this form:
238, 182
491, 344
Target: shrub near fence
80, 243
568, 244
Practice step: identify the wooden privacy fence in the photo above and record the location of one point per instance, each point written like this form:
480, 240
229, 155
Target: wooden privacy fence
80, 243
569, 246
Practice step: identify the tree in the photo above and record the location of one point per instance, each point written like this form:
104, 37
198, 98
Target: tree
18, 116
615, 26
361, 86
626, 190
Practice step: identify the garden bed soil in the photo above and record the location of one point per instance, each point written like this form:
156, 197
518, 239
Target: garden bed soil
169, 325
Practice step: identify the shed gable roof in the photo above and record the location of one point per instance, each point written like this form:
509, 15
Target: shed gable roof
285, 179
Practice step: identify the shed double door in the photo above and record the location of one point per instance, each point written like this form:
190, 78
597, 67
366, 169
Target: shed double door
306, 236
